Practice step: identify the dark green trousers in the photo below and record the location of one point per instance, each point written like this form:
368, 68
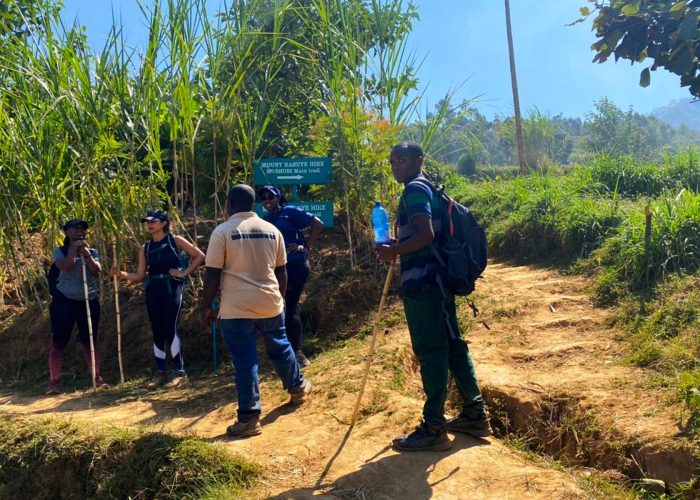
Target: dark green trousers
431, 317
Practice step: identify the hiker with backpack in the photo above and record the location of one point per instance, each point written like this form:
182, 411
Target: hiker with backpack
69, 304
429, 305
292, 221
160, 266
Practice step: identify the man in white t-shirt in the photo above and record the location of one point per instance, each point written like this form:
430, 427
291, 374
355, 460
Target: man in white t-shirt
246, 258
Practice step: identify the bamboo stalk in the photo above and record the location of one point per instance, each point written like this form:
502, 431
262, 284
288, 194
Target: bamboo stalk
375, 334
118, 314
89, 322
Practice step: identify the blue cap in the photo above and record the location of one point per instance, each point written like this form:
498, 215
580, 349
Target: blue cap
273, 189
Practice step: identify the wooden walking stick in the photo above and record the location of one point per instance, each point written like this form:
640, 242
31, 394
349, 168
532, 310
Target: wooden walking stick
119, 316
375, 334
89, 322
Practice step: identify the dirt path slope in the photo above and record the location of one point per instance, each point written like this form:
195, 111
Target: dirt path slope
551, 354
547, 352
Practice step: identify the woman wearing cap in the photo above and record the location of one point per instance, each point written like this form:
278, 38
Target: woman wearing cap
291, 222
68, 301
159, 265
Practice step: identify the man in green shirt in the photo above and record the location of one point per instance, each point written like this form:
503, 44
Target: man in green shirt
430, 312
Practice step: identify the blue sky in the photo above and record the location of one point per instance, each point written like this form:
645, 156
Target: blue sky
464, 43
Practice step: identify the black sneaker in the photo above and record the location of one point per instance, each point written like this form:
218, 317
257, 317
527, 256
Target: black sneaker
160, 378
423, 439
179, 377
478, 428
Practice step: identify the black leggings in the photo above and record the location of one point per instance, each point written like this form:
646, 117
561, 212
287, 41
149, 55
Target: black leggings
65, 313
297, 274
163, 302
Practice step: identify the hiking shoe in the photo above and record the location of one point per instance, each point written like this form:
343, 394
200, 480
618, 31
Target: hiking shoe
179, 377
100, 383
244, 429
160, 378
54, 388
423, 439
298, 397
302, 360
479, 428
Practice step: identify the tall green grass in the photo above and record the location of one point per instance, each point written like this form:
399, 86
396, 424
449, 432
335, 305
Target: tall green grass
105, 134
630, 264
630, 177
57, 459
558, 218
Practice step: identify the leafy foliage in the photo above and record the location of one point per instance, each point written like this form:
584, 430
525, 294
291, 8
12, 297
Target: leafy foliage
665, 31
103, 136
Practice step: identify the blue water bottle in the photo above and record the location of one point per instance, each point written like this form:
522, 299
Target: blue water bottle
380, 222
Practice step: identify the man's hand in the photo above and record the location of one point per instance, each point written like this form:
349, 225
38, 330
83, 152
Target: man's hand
386, 253
208, 316
293, 247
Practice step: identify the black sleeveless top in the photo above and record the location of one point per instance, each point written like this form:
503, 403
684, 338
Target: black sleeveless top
161, 256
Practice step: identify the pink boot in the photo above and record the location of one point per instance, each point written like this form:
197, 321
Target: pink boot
56, 354
88, 360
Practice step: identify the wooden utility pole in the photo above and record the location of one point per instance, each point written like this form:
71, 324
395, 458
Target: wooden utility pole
516, 99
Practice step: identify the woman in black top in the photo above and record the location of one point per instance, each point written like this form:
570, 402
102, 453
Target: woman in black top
159, 264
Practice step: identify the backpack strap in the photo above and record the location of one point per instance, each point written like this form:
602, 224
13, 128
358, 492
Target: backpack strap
173, 244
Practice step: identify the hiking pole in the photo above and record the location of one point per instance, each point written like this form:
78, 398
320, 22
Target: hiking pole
119, 316
213, 338
89, 322
375, 334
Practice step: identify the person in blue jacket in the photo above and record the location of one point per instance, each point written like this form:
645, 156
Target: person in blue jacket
291, 222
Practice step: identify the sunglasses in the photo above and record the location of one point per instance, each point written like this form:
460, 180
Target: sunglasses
268, 197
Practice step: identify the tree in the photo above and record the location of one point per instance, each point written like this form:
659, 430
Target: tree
664, 31
19, 17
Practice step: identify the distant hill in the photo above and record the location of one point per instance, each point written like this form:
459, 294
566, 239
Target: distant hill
680, 112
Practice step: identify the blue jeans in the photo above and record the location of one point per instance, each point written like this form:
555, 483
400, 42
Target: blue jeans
240, 337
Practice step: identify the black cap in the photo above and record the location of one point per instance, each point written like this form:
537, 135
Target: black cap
153, 215
73, 223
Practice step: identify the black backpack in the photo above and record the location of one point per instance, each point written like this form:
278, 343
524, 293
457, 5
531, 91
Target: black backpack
461, 243
53, 274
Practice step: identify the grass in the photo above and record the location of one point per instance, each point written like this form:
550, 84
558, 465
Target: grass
54, 458
592, 219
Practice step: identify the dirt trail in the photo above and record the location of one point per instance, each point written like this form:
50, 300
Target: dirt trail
550, 349
545, 342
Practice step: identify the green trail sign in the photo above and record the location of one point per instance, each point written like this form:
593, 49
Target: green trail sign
293, 171
321, 209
